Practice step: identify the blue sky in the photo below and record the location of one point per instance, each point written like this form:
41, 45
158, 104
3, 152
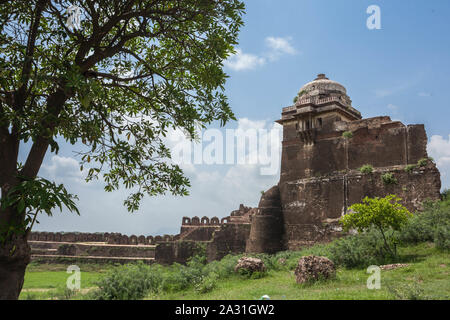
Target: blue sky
400, 70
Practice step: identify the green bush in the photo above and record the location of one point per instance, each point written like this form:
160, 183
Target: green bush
423, 162
223, 268
380, 214
65, 293
248, 274
423, 227
347, 134
179, 278
445, 195
361, 250
410, 167
366, 169
207, 283
129, 282
442, 237
408, 291
388, 178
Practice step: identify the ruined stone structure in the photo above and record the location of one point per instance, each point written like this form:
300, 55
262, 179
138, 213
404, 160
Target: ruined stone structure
325, 144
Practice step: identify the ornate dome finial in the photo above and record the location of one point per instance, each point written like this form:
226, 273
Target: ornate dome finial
321, 76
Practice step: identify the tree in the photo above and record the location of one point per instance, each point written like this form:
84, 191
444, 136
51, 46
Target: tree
383, 214
117, 83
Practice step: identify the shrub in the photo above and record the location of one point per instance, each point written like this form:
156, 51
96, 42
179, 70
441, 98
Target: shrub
65, 293
285, 260
381, 214
422, 162
207, 283
423, 227
442, 237
410, 167
361, 250
388, 178
129, 282
180, 277
223, 268
347, 134
445, 195
408, 291
366, 169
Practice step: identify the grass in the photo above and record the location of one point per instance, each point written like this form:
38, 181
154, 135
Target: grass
429, 271
48, 281
427, 276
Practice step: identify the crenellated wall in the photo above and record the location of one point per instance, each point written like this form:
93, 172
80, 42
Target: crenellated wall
69, 236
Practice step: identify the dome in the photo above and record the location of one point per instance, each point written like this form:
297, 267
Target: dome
320, 96
321, 86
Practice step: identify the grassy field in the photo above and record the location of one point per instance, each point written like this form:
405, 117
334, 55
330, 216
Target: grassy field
48, 281
426, 277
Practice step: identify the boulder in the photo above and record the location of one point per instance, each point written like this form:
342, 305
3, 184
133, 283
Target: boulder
393, 266
313, 268
250, 265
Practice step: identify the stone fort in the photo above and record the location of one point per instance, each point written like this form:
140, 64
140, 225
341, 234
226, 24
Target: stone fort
325, 144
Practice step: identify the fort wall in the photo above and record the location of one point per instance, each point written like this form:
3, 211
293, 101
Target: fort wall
325, 143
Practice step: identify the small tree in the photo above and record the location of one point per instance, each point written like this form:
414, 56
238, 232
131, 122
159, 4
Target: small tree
379, 213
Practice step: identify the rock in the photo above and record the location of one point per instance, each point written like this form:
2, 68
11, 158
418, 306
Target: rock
250, 265
282, 261
394, 266
313, 268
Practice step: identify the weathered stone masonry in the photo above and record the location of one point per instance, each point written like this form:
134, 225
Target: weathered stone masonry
325, 142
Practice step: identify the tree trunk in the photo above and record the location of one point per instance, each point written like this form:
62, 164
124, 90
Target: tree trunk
14, 257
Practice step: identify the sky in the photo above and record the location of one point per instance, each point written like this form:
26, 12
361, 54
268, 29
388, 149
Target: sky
400, 70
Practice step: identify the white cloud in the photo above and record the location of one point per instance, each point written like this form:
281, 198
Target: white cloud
246, 124
215, 190
63, 169
244, 61
277, 47
439, 149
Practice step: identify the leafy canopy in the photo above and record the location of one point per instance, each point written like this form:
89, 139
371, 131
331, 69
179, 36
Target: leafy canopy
382, 213
31, 197
134, 70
